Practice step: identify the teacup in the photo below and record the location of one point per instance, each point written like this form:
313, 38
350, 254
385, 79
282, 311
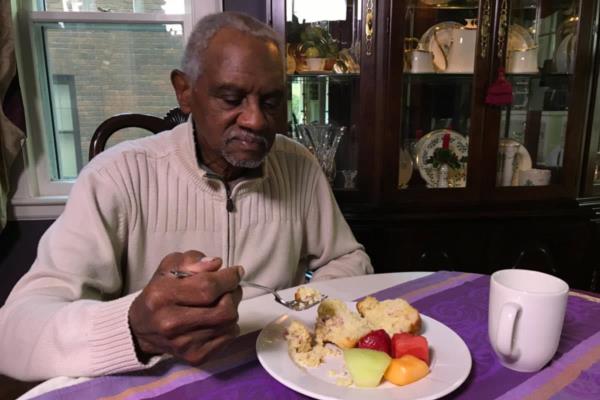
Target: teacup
524, 61
419, 61
534, 177
526, 314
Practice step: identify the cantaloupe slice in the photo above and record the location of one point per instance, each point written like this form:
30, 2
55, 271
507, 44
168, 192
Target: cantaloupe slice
406, 369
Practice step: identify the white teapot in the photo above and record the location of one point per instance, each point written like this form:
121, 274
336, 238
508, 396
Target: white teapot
461, 54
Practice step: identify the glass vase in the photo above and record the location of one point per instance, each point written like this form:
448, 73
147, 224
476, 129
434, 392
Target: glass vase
323, 141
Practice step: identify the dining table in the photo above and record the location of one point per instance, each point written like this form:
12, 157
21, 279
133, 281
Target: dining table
457, 300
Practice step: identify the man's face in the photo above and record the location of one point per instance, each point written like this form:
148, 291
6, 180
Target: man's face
237, 101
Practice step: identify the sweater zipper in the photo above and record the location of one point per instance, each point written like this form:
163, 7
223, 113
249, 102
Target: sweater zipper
230, 207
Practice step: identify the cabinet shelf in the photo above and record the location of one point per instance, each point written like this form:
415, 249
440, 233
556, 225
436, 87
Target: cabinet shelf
553, 75
443, 78
433, 78
444, 7
468, 5
314, 75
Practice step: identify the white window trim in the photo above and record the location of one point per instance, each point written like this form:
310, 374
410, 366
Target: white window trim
36, 196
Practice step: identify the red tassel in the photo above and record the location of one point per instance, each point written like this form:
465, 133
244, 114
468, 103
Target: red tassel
499, 93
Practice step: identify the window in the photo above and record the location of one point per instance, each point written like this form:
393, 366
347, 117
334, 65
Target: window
82, 61
113, 68
66, 128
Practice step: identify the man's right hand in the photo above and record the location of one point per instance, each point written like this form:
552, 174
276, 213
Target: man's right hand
187, 317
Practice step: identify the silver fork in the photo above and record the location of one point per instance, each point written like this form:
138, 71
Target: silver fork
292, 304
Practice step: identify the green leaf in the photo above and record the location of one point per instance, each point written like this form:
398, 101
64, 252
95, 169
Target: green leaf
443, 156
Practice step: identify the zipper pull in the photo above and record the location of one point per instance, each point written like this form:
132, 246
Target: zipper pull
230, 207
229, 204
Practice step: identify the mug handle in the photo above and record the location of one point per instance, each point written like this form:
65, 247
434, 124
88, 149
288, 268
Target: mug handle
506, 328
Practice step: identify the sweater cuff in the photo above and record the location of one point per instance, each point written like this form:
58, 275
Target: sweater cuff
111, 344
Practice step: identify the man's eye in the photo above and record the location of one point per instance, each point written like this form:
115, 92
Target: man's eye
232, 101
271, 103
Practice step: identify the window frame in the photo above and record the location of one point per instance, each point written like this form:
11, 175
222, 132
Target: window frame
37, 196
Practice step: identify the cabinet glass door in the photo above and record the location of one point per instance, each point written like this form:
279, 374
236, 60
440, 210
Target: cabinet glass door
540, 60
592, 174
439, 71
323, 44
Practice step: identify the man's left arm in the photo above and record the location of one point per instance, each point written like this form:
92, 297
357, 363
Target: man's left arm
331, 248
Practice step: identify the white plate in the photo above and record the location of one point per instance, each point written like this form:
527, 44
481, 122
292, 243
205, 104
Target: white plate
521, 162
519, 38
522, 158
437, 39
427, 145
564, 56
450, 364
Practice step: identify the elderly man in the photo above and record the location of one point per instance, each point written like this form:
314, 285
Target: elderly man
216, 199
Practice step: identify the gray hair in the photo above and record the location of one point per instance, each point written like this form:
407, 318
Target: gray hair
192, 63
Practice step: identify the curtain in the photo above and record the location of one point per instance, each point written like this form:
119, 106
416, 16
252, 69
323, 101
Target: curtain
11, 137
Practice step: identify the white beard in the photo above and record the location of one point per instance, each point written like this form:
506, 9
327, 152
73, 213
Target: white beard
242, 163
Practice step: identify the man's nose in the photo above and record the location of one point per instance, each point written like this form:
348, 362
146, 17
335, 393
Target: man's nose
252, 116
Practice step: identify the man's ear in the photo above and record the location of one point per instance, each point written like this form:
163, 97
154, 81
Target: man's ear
183, 90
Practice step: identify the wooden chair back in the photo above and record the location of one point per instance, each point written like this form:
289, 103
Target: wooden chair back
130, 120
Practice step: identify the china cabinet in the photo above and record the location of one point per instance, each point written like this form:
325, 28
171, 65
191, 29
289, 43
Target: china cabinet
470, 128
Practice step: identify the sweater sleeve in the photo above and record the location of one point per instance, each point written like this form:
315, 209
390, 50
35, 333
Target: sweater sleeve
332, 251
67, 316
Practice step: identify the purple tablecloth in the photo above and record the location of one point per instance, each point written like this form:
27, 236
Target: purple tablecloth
458, 300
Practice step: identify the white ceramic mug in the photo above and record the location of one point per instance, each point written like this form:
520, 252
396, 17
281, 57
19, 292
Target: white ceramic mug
420, 61
526, 314
534, 177
523, 61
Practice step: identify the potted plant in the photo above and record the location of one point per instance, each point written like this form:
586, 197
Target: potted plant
311, 45
318, 44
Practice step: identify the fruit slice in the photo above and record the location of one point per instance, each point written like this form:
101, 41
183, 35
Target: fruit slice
376, 340
406, 343
366, 366
406, 369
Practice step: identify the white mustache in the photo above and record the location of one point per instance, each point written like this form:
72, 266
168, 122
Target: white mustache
245, 136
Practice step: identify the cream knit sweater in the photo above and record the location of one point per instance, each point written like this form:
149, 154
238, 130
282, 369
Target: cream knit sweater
134, 204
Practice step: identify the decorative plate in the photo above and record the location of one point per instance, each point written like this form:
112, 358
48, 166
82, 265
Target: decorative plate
427, 145
437, 39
